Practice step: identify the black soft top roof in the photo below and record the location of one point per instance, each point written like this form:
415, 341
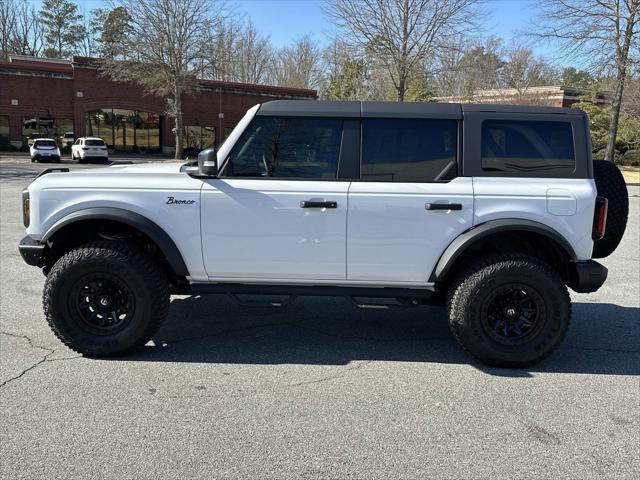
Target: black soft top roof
350, 109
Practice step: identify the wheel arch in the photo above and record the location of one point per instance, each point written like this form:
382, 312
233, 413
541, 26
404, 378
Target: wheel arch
132, 220
527, 230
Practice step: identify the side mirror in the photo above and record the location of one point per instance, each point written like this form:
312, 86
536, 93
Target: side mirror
208, 163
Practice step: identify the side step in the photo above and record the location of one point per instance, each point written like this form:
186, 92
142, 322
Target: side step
281, 296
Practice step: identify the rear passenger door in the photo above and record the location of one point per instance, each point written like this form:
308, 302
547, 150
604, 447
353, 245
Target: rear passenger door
409, 203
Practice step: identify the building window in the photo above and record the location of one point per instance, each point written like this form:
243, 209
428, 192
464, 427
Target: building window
527, 146
4, 127
408, 150
45, 127
198, 137
121, 129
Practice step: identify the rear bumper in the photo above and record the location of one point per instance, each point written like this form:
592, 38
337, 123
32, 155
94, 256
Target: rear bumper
588, 276
32, 251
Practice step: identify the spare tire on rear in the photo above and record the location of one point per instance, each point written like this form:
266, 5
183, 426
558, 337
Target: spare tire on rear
610, 184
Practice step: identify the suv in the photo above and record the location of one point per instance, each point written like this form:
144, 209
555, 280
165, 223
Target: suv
44, 149
89, 148
491, 210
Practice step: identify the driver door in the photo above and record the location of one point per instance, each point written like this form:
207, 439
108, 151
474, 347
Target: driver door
277, 211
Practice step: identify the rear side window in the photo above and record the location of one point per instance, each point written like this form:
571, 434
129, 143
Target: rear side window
408, 150
94, 143
527, 146
286, 147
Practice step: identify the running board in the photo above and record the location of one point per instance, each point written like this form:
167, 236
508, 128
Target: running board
360, 297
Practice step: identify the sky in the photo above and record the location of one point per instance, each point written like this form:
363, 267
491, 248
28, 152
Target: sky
286, 20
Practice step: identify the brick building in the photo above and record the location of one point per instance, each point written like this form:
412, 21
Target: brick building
46, 97
551, 96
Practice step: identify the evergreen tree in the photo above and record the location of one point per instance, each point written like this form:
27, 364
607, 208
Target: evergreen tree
62, 27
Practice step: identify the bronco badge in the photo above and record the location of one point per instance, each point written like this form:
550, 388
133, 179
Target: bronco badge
174, 201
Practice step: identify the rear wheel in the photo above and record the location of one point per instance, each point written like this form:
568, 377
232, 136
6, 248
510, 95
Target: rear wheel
105, 298
510, 310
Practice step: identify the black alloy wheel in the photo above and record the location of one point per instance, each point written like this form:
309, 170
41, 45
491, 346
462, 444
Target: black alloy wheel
512, 313
104, 303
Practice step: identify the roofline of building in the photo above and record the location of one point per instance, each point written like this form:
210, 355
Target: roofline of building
23, 63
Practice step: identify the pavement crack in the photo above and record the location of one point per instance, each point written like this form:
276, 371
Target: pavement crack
44, 359
601, 349
329, 378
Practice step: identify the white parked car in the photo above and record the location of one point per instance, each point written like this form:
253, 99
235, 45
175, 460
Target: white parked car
86, 149
492, 210
44, 149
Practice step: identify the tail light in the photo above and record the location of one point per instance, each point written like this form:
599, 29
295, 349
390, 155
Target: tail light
600, 218
26, 208
85, 148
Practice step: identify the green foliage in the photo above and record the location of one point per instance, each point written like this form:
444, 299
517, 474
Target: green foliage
577, 78
600, 116
346, 85
419, 90
62, 27
116, 32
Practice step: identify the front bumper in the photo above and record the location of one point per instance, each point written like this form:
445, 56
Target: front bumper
32, 251
587, 276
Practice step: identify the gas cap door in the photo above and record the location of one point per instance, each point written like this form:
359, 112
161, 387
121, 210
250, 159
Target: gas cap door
561, 202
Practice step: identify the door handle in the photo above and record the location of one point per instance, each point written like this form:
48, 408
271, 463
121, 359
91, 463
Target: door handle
315, 204
443, 206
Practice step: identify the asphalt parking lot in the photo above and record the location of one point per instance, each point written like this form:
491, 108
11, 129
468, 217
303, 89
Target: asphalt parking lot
318, 390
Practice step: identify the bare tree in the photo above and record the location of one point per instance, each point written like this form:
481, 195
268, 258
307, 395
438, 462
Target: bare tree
603, 33
219, 58
8, 20
252, 56
523, 69
299, 65
21, 32
402, 33
167, 43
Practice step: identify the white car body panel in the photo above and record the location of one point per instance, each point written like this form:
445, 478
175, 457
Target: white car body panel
392, 237
256, 229
143, 189
532, 199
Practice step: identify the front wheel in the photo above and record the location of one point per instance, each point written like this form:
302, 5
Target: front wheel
105, 298
509, 310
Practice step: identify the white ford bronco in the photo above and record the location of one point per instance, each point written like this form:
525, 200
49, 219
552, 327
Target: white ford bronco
491, 210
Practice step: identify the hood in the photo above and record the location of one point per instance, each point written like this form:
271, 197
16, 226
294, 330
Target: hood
142, 175
138, 168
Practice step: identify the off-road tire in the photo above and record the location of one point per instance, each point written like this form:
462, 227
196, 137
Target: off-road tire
121, 262
610, 184
470, 293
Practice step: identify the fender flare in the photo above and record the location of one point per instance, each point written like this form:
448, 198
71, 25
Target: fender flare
135, 220
464, 240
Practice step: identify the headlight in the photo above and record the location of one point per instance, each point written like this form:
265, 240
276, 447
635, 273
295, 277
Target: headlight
26, 208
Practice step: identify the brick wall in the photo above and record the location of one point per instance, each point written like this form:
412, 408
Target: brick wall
68, 90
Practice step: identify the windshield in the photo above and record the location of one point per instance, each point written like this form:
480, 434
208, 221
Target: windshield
94, 143
45, 143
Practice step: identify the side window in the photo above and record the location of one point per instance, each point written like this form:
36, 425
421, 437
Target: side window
409, 150
527, 146
287, 147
